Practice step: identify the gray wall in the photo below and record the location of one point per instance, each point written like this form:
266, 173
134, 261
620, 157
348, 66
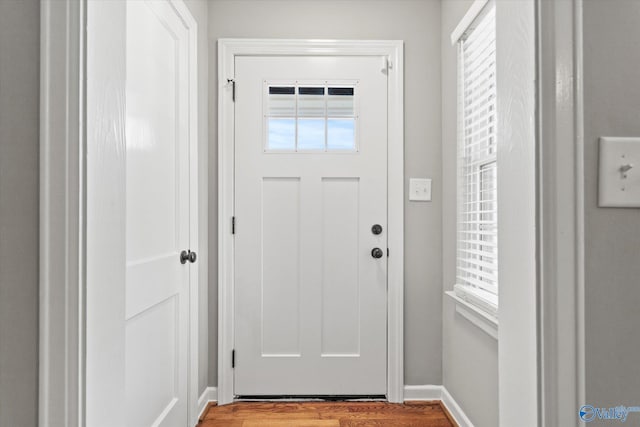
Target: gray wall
418, 24
19, 127
199, 10
612, 236
470, 356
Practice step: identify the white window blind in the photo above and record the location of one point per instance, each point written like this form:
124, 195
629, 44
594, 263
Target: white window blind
477, 246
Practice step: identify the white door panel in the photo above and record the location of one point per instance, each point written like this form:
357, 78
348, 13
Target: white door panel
280, 267
139, 217
310, 299
340, 267
157, 222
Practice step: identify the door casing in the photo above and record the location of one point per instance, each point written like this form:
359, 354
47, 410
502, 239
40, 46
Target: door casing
392, 61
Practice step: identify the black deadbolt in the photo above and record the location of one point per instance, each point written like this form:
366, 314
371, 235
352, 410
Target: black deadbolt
376, 229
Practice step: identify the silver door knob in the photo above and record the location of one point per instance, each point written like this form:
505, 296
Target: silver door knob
377, 253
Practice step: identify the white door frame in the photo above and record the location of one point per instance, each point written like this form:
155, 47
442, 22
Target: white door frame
63, 213
392, 51
518, 364
62, 209
560, 212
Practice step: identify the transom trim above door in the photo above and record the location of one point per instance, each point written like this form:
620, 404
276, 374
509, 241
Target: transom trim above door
303, 117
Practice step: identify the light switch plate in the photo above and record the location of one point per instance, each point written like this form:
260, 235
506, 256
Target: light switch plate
420, 189
619, 174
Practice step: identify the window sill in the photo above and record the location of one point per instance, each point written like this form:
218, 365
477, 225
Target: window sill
483, 320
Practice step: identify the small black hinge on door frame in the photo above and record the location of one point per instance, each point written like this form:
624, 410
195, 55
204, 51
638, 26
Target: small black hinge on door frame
233, 225
233, 89
233, 358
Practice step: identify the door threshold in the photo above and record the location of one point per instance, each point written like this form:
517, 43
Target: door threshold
312, 397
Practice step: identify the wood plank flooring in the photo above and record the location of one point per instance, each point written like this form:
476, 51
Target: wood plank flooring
327, 414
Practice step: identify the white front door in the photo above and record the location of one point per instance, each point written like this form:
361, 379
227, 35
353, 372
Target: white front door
157, 215
310, 225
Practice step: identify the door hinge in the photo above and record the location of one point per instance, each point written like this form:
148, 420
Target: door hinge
233, 89
233, 225
233, 358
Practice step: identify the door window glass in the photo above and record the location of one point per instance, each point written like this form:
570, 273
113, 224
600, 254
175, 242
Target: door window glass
313, 117
282, 134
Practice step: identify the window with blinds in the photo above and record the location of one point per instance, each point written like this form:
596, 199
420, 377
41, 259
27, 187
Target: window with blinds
477, 246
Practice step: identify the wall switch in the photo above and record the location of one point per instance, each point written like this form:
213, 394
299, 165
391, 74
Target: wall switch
619, 174
420, 189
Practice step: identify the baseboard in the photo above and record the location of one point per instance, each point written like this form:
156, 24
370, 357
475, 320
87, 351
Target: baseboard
440, 393
455, 410
210, 394
422, 392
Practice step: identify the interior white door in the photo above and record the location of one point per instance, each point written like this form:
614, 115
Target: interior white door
311, 182
157, 215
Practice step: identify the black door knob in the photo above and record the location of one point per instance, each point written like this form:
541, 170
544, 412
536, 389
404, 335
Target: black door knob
192, 257
184, 257
377, 253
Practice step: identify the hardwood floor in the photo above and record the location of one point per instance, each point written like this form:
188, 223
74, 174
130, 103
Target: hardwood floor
327, 414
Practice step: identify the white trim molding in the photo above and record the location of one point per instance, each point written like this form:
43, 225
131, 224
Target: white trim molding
62, 213
455, 410
518, 379
422, 392
474, 10
483, 320
210, 394
561, 211
228, 49
439, 393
